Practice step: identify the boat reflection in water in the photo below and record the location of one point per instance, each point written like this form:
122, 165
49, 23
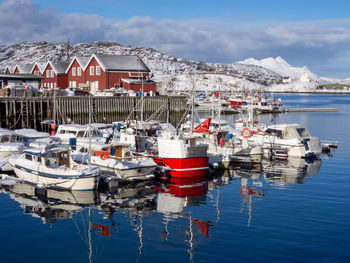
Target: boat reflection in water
48, 204
170, 200
290, 171
256, 180
176, 194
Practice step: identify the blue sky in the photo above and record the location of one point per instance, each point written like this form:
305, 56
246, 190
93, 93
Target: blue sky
308, 33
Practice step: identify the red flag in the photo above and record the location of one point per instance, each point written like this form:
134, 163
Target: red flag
217, 94
203, 127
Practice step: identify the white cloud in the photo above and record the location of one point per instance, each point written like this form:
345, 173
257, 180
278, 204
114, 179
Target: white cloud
313, 43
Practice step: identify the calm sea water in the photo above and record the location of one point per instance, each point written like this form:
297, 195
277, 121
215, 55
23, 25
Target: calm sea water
289, 212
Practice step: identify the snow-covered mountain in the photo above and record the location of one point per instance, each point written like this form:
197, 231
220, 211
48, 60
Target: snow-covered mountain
280, 66
171, 73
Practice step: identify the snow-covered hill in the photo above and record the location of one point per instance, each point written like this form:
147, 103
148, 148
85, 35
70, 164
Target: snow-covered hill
171, 73
280, 66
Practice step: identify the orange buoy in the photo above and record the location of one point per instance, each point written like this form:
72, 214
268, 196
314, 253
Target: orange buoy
246, 133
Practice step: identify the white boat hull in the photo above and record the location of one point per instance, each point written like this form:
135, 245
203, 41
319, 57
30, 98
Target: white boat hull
81, 183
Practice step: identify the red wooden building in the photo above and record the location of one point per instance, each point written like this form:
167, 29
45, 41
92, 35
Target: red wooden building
9, 70
55, 75
38, 68
75, 72
23, 69
97, 72
111, 71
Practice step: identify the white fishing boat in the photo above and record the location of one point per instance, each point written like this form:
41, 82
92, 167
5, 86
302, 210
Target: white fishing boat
294, 139
53, 167
77, 134
33, 138
116, 159
224, 148
9, 145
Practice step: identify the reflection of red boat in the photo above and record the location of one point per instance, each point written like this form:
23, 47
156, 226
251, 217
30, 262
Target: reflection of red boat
186, 187
182, 157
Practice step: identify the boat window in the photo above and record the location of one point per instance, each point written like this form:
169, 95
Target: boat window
39, 159
303, 132
263, 103
83, 150
273, 132
28, 157
80, 134
5, 138
71, 132
62, 132
13, 138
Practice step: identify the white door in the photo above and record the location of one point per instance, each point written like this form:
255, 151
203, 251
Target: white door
94, 87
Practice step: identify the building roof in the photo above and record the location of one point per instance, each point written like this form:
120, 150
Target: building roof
41, 66
81, 60
11, 68
131, 63
58, 67
138, 81
20, 76
25, 68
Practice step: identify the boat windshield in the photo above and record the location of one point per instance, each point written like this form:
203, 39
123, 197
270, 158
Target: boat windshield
303, 132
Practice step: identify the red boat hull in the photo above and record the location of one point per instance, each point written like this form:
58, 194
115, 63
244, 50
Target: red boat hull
185, 167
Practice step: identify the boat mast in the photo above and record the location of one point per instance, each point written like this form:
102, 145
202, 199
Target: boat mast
192, 106
90, 131
142, 101
219, 115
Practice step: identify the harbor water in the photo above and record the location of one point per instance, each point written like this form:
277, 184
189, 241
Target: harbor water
286, 211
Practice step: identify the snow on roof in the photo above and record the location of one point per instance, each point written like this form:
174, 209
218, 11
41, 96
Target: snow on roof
131, 63
26, 68
41, 66
138, 81
83, 61
59, 67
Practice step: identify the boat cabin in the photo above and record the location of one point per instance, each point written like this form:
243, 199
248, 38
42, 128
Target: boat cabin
77, 131
287, 131
53, 156
7, 136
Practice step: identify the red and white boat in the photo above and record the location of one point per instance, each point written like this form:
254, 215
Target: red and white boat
182, 156
257, 102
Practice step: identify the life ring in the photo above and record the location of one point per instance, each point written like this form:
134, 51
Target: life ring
222, 142
246, 133
104, 155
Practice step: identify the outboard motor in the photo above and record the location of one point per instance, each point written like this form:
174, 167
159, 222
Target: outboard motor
312, 147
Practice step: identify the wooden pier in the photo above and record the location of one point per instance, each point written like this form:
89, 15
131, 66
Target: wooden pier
311, 110
18, 113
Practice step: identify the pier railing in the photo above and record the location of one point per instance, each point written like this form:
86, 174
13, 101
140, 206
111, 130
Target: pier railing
32, 112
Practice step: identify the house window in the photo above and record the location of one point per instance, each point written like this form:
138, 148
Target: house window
70, 83
51, 73
92, 70
74, 71
98, 70
79, 71
55, 85
48, 73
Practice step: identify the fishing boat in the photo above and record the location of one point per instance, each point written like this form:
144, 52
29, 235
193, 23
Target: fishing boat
256, 101
9, 145
116, 159
291, 140
224, 148
53, 167
77, 134
182, 156
34, 138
